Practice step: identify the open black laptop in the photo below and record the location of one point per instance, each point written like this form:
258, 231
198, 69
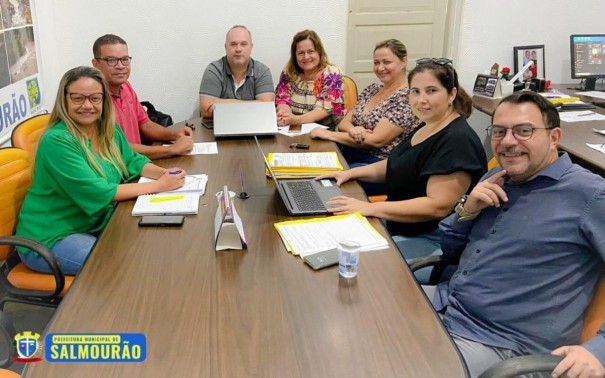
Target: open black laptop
303, 196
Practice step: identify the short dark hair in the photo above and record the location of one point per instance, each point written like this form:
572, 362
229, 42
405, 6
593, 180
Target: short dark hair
550, 115
447, 76
107, 39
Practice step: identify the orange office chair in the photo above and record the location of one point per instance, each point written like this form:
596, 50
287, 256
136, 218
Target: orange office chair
350, 94
492, 163
20, 283
27, 134
4, 373
594, 317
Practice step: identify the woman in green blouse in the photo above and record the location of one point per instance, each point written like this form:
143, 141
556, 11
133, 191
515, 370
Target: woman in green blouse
83, 165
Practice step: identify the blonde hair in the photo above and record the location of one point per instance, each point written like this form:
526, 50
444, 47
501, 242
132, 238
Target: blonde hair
108, 150
292, 68
395, 46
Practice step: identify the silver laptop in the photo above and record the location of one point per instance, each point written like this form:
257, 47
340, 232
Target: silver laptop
246, 118
303, 196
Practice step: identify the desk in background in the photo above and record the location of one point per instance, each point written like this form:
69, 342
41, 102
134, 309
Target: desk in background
575, 134
255, 312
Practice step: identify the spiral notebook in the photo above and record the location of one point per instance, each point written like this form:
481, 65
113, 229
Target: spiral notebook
166, 204
193, 184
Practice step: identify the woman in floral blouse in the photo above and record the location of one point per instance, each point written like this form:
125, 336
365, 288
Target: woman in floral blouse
382, 116
310, 89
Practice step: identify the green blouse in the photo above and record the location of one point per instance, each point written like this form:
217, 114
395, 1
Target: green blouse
68, 195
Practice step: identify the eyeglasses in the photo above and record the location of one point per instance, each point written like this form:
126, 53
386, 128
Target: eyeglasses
439, 61
520, 132
78, 98
125, 60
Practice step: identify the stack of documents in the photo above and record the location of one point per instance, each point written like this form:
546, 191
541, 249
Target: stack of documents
303, 165
565, 102
193, 184
307, 236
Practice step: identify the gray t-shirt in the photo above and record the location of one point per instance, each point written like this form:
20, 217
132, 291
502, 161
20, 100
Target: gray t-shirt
217, 81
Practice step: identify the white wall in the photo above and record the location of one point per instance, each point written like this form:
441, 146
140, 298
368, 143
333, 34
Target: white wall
171, 45
490, 29
172, 42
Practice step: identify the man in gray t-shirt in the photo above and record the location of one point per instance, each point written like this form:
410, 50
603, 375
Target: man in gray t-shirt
236, 76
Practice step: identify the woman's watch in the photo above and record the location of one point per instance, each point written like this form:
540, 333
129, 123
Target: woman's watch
462, 213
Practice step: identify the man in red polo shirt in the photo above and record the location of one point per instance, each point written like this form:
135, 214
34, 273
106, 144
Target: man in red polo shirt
112, 59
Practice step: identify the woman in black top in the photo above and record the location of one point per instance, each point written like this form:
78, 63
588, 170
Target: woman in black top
429, 170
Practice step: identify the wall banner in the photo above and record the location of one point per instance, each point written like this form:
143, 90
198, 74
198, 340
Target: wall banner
20, 95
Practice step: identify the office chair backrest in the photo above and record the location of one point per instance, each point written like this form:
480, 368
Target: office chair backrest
15, 180
492, 163
595, 314
27, 134
350, 94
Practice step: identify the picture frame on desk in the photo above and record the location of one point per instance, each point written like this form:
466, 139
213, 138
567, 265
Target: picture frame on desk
523, 54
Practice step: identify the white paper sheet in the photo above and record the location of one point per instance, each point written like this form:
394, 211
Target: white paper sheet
304, 129
193, 184
581, 116
595, 94
206, 148
305, 160
598, 147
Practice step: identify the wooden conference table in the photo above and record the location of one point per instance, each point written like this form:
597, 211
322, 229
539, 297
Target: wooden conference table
575, 134
256, 312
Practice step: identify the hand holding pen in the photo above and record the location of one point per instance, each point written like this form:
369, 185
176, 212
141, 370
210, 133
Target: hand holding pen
172, 178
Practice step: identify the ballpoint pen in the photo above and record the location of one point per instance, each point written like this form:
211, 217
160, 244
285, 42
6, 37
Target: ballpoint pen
242, 194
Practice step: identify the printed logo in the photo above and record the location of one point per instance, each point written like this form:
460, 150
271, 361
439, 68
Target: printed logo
28, 347
95, 347
33, 93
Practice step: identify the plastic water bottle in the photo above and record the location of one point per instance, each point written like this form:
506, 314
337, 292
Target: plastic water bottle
348, 258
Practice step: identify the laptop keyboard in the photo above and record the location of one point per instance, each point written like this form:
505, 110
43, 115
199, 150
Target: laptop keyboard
305, 196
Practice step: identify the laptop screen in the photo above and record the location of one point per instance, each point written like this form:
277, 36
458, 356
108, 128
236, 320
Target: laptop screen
260, 149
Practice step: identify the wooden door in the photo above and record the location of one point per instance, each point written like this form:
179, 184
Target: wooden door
419, 24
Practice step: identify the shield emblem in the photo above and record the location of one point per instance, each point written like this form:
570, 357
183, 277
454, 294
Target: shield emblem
27, 347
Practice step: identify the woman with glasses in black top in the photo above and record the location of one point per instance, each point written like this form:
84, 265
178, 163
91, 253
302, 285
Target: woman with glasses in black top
430, 169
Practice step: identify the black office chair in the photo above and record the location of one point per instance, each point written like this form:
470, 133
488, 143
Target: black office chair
594, 317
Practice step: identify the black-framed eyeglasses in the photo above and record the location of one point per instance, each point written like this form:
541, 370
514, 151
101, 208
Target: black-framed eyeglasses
79, 98
520, 132
111, 61
439, 61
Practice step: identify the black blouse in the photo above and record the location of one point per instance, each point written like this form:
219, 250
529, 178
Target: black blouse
455, 148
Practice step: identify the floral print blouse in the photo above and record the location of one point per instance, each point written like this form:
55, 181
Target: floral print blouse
396, 109
325, 93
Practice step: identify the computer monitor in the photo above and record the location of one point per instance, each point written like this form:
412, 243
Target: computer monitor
588, 58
